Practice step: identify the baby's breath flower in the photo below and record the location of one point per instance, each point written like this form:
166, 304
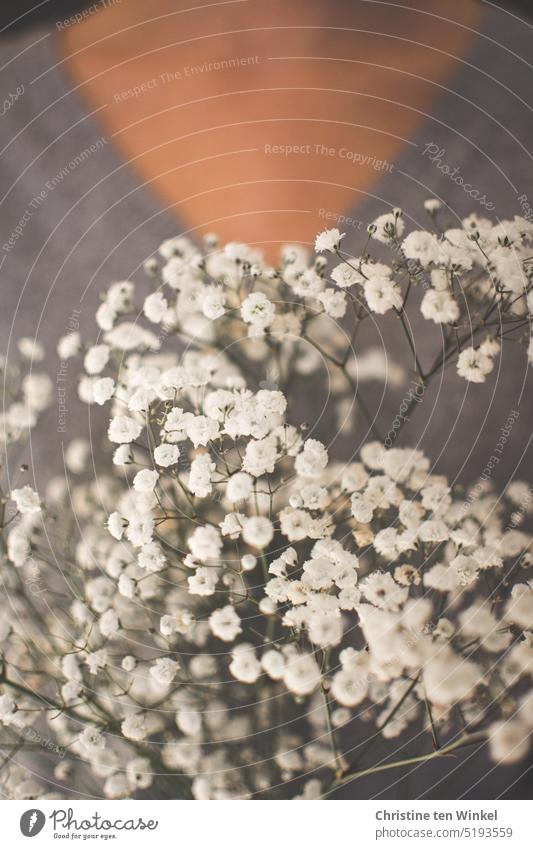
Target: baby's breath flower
155, 307
382, 295
27, 500
222, 517
258, 311
474, 365
166, 454
440, 307
124, 429
329, 240
225, 623
301, 675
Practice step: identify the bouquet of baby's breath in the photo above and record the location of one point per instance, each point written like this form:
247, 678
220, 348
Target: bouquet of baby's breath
230, 611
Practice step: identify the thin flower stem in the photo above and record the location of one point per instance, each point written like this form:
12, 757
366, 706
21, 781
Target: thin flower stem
390, 716
434, 734
412, 346
357, 395
329, 721
331, 732
460, 743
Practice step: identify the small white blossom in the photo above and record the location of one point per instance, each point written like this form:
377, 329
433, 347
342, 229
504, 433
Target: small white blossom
258, 311
225, 623
349, 686
382, 295
200, 475
151, 557
239, 487
69, 346
7, 709
205, 543
440, 307
312, 460
334, 303
103, 390
123, 429
96, 359
509, 741
134, 727
145, 480
260, 457
474, 365
328, 240
116, 525
155, 307
387, 226
37, 389
27, 500
245, 666
203, 581
258, 531
166, 454
164, 670
301, 675
213, 303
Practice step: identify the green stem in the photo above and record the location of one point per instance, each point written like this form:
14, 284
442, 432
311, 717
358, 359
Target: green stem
460, 743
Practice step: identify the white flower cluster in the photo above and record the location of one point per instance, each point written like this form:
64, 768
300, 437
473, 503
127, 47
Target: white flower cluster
477, 278
224, 571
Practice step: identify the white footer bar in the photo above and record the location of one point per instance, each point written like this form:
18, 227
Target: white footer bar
268, 825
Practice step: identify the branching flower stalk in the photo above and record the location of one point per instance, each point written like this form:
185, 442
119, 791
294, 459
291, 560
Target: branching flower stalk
227, 611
